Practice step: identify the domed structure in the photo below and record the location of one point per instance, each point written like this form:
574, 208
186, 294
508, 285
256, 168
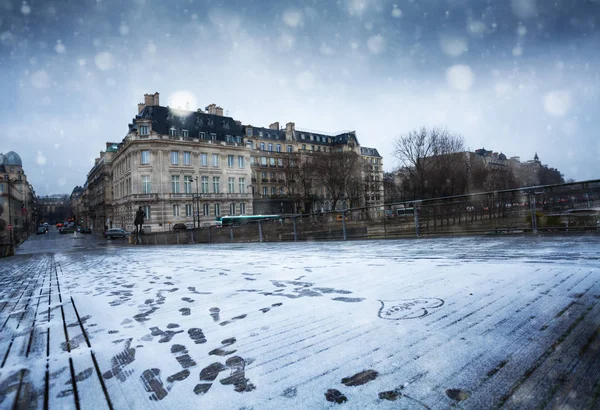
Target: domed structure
11, 158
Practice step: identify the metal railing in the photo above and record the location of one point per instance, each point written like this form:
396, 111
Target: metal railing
569, 208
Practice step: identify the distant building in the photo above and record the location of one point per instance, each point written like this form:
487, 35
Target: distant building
17, 199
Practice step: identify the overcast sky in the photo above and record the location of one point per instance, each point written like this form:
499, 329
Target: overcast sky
513, 76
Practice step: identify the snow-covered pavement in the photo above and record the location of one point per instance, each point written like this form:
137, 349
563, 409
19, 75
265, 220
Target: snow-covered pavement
473, 322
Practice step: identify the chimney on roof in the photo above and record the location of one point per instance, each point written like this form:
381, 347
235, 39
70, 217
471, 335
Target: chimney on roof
290, 127
274, 126
214, 110
156, 100
141, 107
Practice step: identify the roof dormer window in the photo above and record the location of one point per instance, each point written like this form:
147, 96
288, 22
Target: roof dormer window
172, 131
144, 130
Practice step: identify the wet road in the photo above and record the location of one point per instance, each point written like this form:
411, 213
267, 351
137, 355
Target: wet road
503, 322
53, 241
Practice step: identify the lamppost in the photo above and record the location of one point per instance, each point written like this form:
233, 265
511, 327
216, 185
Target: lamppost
196, 209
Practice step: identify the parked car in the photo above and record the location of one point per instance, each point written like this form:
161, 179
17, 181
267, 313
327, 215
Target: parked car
41, 230
67, 229
115, 233
179, 227
85, 230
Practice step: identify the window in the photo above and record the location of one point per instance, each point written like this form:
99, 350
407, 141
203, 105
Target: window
187, 184
249, 144
228, 138
262, 146
272, 161
231, 186
311, 137
271, 147
204, 159
263, 161
265, 191
187, 158
303, 147
174, 158
230, 161
312, 147
263, 175
146, 209
238, 139
242, 185
188, 210
278, 147
204, 184
175, 184
215, 160
172, 131
205, 210
202, 135
185, 133
145, 157
176, 210
144, 130
213, 136
242, 209
252, 160
146, 187
216, 181
303, 136
273, 190
290, 148
217, 209
240, 162
280, 162
232, 208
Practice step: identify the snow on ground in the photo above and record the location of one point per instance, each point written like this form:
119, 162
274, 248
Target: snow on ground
409, 323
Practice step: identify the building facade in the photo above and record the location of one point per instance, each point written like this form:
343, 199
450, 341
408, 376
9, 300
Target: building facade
18, 204
192, 167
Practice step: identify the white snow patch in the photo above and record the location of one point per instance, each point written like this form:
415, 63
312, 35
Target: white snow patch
453, 46
376, 44
521, 30
60, 47
476, 27
40, 79
460, 77
557, 103
524, 9
123, 29
104, 61
396, 12
305, 81
292, 18
517, 51
40, 159
25, 9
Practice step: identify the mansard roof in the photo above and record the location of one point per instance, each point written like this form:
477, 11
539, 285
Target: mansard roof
164, 118
370, 151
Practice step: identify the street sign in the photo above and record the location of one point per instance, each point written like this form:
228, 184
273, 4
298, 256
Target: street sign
9, 227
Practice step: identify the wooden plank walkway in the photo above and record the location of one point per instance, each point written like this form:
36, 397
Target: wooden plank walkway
414, 328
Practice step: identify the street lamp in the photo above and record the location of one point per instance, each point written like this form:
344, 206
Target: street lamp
196, 209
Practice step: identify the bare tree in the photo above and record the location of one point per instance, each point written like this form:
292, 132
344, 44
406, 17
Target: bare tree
432, 162
337, 170
306, 181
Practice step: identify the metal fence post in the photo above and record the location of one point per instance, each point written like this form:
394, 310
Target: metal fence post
231, 233
209, 234
416, 217
295, 231
193, 240
260, 236
534, 226
344, 224
177, 236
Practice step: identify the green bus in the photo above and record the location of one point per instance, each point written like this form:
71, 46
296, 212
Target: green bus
245, 219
